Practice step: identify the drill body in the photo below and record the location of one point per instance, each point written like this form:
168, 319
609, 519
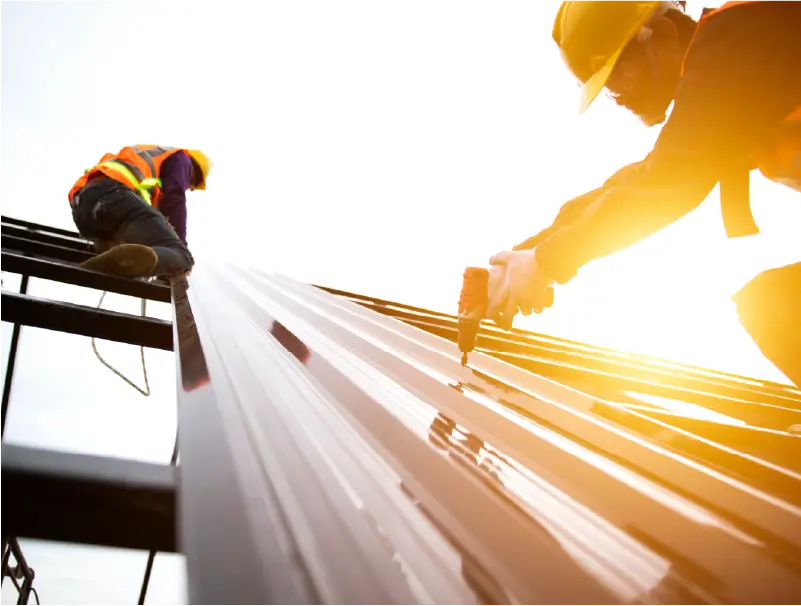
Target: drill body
473, 303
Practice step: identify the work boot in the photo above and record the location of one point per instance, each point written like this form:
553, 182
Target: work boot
124, 261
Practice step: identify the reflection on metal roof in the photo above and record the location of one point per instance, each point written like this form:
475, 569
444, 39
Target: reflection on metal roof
686, 408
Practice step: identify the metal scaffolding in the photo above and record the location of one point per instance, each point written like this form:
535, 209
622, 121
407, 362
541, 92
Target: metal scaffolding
333, 450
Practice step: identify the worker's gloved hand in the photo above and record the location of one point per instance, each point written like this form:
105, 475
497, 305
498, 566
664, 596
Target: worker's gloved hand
518, 284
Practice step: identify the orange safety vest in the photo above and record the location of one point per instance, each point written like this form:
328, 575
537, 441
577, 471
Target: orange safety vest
137, 166
779, 160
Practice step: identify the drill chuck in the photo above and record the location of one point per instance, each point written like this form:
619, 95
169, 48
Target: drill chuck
468, 335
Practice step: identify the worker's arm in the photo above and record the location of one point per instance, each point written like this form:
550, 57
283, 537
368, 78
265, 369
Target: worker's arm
572, 209
176, 177
734, 89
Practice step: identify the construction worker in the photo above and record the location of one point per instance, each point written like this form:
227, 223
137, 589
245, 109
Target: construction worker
735, 84
133, 205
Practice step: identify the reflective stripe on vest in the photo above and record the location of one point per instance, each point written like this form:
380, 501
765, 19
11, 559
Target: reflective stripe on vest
130, 172
148, 155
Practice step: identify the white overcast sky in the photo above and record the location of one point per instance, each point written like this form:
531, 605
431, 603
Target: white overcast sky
373, 146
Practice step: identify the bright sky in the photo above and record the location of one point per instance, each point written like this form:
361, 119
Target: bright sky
376, 147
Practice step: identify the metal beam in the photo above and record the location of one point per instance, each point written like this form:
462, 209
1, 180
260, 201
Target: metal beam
86, 321
778, 447
40, 227
753, 412
21, 571
43, 249
385, 303
57, 240
87, 499
69, 274
12, 357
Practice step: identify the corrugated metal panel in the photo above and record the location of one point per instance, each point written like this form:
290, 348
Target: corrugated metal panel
332, 454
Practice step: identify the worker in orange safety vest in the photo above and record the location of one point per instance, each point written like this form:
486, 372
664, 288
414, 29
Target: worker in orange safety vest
133, 205
735, 83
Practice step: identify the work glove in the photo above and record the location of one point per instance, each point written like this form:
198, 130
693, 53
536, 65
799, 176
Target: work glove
518, 284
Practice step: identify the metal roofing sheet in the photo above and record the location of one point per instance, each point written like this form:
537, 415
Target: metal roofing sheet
330, 453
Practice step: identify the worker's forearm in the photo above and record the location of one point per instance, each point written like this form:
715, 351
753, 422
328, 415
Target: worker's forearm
569, 212
177, 219
176, 175
617, 219
532, 242
573, 209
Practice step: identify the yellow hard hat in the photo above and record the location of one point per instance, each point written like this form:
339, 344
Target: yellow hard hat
591, 36
204, 163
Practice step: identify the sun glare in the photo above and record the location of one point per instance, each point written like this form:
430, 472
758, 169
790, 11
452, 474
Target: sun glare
686, 409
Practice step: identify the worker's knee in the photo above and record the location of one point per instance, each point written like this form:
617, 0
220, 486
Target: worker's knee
769, 308
188, 258
770, 297
187, 261
175, 259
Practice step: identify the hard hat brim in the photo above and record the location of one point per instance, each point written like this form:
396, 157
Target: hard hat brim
592, 87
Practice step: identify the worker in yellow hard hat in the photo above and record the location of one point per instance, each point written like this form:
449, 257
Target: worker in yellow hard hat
133, 205
735, 83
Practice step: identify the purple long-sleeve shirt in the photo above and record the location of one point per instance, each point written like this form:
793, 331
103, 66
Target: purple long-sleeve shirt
176, 178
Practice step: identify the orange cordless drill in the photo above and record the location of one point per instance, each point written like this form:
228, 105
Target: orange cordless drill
473, 303
473, 306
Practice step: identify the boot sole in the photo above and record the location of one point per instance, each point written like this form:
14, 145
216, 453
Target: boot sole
124, 261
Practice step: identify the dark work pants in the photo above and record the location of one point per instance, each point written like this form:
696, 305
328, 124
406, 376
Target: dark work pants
769, 307
109, 210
